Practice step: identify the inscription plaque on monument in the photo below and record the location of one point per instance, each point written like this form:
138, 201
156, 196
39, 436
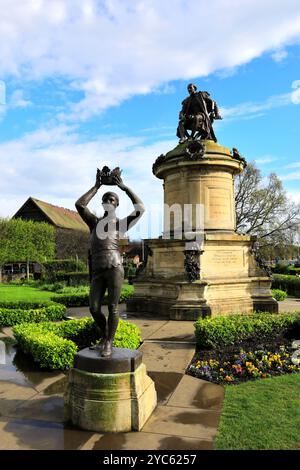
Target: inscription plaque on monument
229, 257
219, 203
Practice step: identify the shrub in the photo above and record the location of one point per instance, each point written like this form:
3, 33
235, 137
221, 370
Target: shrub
54, 345
290, 284
25, 304
14, 314
280, 268
214, 333
81, 298
74, 300
73, 278
279, 295
67, 265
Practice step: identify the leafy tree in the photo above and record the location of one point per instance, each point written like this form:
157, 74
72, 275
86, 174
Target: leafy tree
22, 240
263, 209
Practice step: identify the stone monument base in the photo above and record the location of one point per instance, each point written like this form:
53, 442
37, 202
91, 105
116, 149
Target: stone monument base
112, 394
230, 280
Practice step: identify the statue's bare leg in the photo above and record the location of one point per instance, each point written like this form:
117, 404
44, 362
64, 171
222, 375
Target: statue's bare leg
115, 280
97, 292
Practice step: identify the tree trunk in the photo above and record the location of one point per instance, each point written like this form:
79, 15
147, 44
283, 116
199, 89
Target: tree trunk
0, 274
27, 270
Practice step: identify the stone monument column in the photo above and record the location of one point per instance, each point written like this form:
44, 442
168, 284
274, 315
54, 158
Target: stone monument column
203, 174
221, 274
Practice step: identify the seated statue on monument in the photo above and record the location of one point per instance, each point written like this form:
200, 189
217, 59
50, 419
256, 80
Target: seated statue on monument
106, 269
197, 115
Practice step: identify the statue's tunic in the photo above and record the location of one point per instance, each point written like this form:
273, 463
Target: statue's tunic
104, 251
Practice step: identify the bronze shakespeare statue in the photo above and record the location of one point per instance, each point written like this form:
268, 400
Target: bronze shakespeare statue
197, 115
106, 269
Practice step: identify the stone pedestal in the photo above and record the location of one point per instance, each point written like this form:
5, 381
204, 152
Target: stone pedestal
231, 280
109, 394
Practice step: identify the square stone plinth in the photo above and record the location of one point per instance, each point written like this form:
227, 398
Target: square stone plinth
116, 402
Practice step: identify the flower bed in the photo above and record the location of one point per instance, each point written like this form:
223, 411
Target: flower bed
238, 348
232, 367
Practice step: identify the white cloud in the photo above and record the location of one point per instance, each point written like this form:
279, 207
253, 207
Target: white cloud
294, 195
114, 49
53, 165
293, 165
18, 100
295, 96
250, 109
279, 55
291, 176
265, 159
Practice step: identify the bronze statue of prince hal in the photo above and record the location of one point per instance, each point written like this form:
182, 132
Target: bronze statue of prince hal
105, 260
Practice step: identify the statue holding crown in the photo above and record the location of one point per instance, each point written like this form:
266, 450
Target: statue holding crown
106, 269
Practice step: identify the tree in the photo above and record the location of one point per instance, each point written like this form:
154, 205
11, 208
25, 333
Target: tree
22, 240
263, 209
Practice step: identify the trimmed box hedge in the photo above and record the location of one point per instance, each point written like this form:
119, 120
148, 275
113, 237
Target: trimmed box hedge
73, 278
54, 345
82, 300
290, 284
53, 267
215, 333
13, 313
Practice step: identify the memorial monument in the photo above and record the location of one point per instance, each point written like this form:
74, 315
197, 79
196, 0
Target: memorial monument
108, 389
220, 272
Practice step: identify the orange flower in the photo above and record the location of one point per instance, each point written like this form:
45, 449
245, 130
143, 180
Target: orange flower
228, 378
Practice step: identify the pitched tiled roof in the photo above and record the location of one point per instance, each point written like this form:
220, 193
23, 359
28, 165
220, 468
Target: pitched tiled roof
59, 216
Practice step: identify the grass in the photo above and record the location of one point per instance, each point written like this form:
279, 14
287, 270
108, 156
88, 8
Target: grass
13, 292
261, 415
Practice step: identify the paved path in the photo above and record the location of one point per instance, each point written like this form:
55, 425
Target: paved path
290, 304
187, 415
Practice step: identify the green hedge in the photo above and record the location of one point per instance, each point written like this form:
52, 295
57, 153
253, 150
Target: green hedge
54, 345
82, 300
72, 278
26, 304
14, 314
279, 295
66, 265
286, 269
290, 284
215, 333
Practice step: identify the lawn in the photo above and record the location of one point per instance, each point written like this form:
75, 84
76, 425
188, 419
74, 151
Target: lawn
262, 414
12, 292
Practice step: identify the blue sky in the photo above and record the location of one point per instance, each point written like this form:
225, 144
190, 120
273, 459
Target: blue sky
87, 83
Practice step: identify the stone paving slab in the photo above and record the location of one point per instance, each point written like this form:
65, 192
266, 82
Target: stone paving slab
166, 357
192, 392
183, 422
42, 408
148, 327
175, 331
145, 441
165, 384
18, 434
290, 304
13, 395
